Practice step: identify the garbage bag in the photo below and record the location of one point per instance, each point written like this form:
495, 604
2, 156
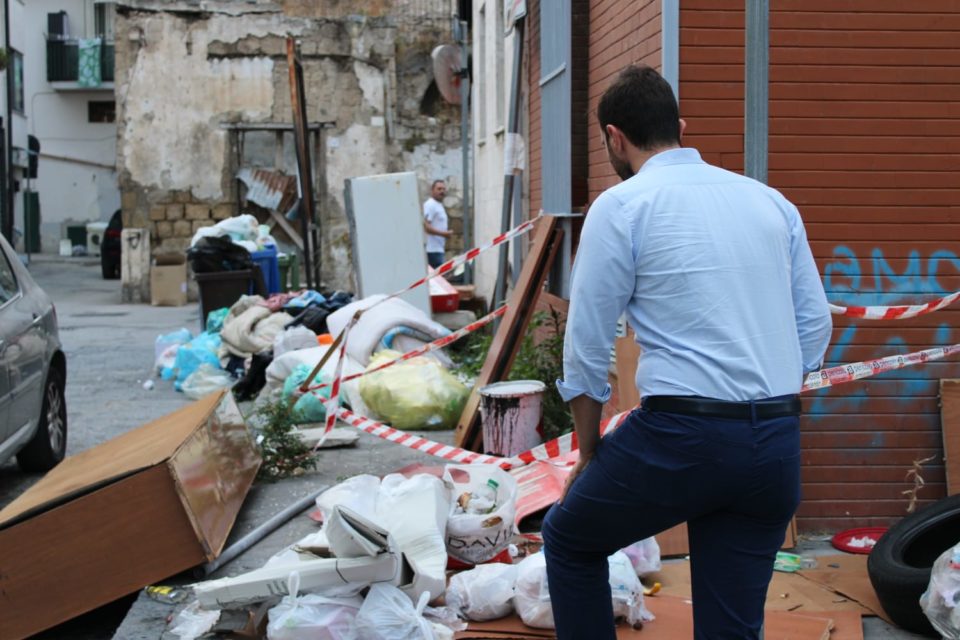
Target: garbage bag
416, 394
312, 617
205, 380
218, 253
481, 522
293, 339
941, 601
645, 556
165, 351
532, 599
215, 319
308, 407
192, 621
202, 349
387, 614
358, 493
240, 229
484, 592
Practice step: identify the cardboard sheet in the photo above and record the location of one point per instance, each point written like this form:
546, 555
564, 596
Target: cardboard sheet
675, 622
788, 591
846, 575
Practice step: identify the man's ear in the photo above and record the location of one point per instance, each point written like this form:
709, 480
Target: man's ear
683, 127
614, 138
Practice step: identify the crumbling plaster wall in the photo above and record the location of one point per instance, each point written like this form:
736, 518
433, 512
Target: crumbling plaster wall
185, 69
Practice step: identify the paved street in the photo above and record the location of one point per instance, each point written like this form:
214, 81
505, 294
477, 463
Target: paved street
109, 349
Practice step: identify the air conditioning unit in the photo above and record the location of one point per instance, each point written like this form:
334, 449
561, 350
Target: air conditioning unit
58, 26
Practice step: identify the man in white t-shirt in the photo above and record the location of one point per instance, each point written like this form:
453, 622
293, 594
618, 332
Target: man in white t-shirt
435, 224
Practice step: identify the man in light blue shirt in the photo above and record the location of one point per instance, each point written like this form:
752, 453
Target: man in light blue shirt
716, 278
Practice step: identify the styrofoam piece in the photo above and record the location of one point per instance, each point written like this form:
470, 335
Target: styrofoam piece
315, 576
350, 535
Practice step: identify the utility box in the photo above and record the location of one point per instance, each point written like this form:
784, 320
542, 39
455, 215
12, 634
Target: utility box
168, 280
131, 512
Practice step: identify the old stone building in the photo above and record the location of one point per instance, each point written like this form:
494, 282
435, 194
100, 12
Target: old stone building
203, 91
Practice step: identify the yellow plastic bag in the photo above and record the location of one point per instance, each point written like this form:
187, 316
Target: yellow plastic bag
416, 394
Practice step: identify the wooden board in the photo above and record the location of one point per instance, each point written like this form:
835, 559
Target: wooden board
512, 328
950, 424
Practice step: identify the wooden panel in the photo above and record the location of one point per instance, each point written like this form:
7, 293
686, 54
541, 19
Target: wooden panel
950, 416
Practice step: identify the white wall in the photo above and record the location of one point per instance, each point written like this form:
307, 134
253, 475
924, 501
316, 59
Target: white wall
77, 179
18, 41
492, 79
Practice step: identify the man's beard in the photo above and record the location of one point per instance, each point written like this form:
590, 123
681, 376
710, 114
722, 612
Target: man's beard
622, 167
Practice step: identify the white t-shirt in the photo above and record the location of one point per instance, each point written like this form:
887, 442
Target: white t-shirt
436, 216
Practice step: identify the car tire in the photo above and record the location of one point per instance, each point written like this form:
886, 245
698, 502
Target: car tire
49, 444
109, 270
900, 564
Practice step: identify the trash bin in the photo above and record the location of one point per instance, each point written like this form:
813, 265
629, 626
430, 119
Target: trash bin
289, 272
220, 289
269, 267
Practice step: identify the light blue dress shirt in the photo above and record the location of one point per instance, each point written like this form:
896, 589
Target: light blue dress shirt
716, 278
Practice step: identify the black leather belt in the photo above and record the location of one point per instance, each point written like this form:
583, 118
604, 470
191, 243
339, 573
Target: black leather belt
697, 406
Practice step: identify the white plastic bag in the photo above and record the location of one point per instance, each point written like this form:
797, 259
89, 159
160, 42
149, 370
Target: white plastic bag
358, 493
192, 621
387, 614
626, 590
312, 617
484, 592
205, 380
475, 536
165, 349
645, 556
294, 339
532, 598
941, 601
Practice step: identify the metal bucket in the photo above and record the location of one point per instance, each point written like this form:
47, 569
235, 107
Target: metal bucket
512, 414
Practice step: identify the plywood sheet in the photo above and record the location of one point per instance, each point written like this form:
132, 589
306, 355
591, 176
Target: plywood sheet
950, 424
386, 229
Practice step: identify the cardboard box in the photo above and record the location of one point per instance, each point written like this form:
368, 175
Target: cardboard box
128, 513
168, 280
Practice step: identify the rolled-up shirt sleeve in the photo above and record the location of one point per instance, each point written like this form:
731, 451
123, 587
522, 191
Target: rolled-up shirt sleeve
810, 307
603, 280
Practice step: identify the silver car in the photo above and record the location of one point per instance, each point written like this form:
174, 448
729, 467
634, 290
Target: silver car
33, 370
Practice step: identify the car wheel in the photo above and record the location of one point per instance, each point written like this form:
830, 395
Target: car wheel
109, 270
900, 564
49, 443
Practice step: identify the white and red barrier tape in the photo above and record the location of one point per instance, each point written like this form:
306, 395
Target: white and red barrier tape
895, 312
566, 444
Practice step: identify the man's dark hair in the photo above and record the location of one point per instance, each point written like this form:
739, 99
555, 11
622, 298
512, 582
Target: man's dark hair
642, 105
436, 182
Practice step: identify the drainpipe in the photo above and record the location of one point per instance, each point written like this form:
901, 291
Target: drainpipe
7, 178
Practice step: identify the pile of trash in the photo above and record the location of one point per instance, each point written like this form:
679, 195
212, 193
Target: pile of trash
267, 348
243, 230
377, 569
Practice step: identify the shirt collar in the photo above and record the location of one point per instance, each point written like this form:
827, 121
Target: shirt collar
673, 156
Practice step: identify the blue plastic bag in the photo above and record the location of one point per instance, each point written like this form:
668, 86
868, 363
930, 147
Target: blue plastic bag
200, 350
215, 319
309, 407
165, 351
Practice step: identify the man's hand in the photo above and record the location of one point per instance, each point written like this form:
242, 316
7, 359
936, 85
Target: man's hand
578, 468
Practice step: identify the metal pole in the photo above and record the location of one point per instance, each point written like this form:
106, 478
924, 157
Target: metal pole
258, 534
465, 144
500, 293
757, 80
7, 184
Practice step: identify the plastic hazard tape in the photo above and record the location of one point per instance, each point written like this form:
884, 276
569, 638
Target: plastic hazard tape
558, 448
439, 343
895, 312
849, 372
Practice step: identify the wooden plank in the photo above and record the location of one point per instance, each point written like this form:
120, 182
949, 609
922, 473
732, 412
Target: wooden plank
950, 419
514, 324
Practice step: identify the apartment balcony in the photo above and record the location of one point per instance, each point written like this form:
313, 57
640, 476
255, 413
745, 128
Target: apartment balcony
63, 66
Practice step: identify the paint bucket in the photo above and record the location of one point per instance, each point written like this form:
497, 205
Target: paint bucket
512, 414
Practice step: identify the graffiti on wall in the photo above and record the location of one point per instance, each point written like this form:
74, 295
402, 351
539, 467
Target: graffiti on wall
854, 281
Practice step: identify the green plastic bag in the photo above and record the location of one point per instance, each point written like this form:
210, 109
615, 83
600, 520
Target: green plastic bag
416, 394
309, 407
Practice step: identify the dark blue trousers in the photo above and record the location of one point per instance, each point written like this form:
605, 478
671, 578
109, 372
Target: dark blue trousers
736, 483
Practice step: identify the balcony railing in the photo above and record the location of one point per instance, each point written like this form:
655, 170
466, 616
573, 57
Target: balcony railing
63, 61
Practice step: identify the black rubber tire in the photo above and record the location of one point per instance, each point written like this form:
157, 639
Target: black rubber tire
899, 565
49, 444
109, 270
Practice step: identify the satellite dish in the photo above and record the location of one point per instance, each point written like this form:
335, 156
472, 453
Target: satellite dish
447, 72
